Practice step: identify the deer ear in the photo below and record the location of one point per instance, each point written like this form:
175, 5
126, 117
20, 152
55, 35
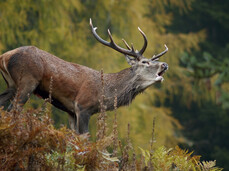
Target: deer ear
131, 61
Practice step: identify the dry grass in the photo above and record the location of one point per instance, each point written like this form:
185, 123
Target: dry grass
29, 141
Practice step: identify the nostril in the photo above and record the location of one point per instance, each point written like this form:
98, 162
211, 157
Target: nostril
164, 66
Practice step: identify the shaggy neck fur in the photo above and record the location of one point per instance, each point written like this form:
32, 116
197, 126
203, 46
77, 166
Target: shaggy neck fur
127, 84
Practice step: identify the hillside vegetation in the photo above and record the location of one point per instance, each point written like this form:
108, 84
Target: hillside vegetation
190, 107
29, 141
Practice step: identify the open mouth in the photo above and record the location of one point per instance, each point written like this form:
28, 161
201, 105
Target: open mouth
162, 72
159, 75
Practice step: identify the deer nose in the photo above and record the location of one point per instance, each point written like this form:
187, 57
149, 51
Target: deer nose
164, 66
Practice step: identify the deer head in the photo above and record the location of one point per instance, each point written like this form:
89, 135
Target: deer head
148, 71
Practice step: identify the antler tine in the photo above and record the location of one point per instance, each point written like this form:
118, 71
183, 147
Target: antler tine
110, 36
112, 44
93, 29
160, 54
132, 47
145, 42
128, 47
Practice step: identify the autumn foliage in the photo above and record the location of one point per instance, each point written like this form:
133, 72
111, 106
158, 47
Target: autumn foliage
29, 141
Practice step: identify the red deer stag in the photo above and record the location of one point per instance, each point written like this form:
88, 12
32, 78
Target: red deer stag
29, 70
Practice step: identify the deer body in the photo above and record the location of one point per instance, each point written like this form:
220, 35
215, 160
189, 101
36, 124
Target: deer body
76, 89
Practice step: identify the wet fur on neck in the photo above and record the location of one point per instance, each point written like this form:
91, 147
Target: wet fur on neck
127, 90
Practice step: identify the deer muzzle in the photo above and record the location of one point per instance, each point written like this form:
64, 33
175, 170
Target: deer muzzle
164, 67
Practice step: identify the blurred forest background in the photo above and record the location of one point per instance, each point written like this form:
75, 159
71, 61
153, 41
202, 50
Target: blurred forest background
191, 106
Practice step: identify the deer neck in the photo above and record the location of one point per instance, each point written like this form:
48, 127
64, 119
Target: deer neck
127, 84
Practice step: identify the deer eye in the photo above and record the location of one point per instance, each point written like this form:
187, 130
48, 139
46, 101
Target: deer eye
145, 62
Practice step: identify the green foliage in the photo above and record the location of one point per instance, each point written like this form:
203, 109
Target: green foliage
175, 159
204, 114
68, 161
209, 68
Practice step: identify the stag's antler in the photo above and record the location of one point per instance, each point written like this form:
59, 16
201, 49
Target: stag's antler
160, 54
130, 51
145, 42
